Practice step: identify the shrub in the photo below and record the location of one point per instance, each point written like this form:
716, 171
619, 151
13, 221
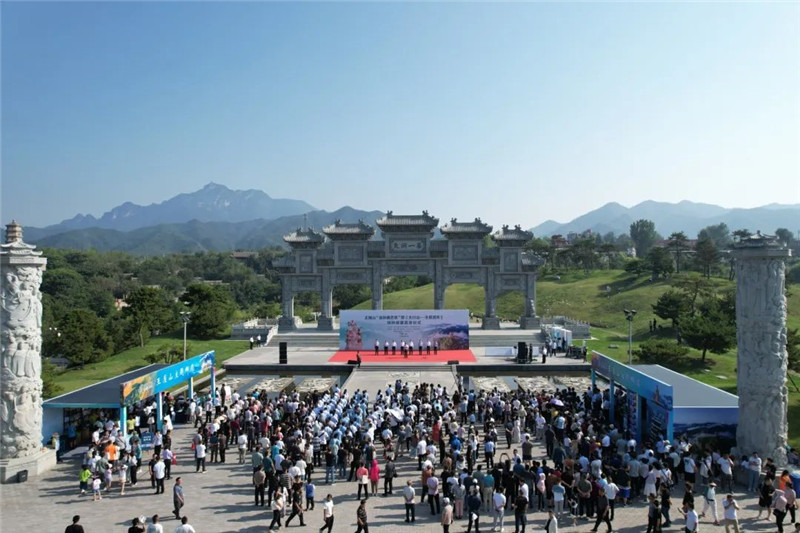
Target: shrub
660, 352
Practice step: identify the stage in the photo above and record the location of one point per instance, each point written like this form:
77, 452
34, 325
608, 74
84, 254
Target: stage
367, 357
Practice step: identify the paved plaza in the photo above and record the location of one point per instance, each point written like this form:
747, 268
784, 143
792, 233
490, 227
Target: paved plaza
222, 501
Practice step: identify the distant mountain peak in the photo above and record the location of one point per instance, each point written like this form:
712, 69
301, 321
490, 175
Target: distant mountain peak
686, 215
214, 202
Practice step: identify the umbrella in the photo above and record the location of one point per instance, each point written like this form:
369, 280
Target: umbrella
556, 401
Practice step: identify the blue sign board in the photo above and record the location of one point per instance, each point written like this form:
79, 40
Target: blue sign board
146, 440
648, 388
164, 379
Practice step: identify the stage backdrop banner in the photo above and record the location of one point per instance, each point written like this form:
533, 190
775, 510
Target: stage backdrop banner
145, 386
358, 330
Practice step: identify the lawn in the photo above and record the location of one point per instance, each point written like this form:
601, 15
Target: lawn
134, 358
584, 296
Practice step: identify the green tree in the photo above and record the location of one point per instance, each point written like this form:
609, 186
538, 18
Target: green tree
540, 247
167, 354
83, 338
266, 310
349, 296
678, 242
636, 267
49, 386
150, 308
122, 332
696, 288
583, 253
706, 255
718, 233
212, 309
740, 234
784, 235
643, 234
659, 261
660, 352
672, 305
710, 330
793, 349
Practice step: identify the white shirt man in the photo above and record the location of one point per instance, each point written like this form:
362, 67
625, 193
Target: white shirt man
185, 528
433, 485
422, 447
159, 469
691, 521
688, 465
498, 504
327, 508
730, 506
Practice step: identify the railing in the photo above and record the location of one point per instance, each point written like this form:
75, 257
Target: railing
266, 327
579, 328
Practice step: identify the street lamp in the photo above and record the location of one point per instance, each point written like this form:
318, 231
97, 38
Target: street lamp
629, 314
185, 318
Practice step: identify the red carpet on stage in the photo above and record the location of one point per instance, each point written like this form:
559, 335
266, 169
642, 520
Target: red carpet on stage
462, 356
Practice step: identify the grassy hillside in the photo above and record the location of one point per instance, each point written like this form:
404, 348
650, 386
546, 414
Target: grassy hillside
584, 296
134, 358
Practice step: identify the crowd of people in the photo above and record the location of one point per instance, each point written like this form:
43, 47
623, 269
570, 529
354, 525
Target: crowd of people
477, 457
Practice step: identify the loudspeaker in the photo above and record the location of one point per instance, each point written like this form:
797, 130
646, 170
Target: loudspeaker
283, 354
522, 352
453, 362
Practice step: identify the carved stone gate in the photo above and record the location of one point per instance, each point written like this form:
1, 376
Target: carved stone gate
350, 255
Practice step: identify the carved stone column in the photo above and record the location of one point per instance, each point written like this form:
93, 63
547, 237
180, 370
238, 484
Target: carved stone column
287, 320
490, 320
377, 286
20, 359
439, 285
530, 320
761, 339
325, 320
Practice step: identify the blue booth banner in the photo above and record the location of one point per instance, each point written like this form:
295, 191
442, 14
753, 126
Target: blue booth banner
146, 441
643, 385
359, 330
163, 379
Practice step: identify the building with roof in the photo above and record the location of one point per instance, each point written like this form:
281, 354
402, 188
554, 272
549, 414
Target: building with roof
660, 403
349, 254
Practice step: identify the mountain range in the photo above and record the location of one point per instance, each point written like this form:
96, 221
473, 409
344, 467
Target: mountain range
218, 218
686, 216
212, 203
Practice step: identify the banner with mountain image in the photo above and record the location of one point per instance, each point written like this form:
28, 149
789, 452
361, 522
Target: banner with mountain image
449, 328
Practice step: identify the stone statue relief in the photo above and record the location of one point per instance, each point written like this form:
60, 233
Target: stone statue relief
20, 361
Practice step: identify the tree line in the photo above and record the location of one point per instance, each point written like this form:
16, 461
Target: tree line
643, 250
96, 304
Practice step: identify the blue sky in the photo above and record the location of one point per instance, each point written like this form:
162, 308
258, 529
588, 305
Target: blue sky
513, 112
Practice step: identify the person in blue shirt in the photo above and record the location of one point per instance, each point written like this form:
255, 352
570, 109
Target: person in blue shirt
310, 488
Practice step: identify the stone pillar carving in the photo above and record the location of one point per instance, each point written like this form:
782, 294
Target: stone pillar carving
20, 358
530, 320
761, 339
490, 320
287, 320
377, 286
439, 285
325, 320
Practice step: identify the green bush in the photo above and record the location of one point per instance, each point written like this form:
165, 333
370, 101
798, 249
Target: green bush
660, 352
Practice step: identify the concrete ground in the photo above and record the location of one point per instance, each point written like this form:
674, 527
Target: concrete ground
222, 501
